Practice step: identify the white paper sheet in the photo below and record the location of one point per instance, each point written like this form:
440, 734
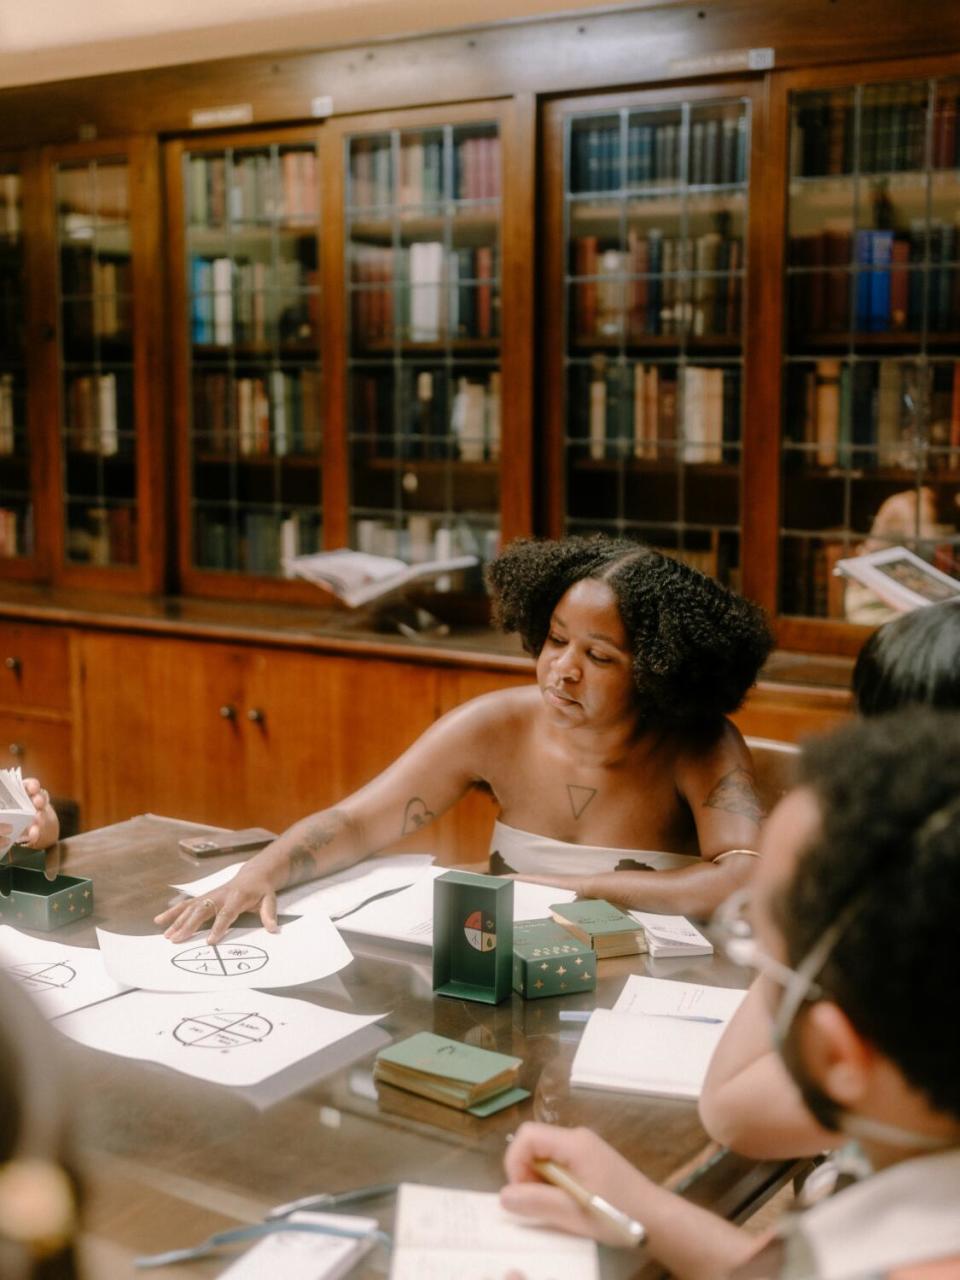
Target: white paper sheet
672, 935
677, 999
296, 1255
442, 1232
408, 916
60, 978
333, 895
240, 1040
303, 951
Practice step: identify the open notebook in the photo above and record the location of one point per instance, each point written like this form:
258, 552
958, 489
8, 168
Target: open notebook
442, 1233
658, 1038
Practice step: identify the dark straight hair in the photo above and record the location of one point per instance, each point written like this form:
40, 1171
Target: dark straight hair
911, 660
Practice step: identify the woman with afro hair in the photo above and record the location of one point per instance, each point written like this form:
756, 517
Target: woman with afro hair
617, 774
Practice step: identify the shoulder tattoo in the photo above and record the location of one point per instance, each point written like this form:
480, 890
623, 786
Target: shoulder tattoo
736, 793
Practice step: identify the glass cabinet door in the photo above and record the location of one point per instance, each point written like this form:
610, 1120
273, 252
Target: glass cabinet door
654, 217
871, 413
16, 502
252, 294
423, 269
95, 304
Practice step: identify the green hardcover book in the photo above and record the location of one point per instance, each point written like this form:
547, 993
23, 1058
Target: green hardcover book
458, 1075
607, 929
549, 961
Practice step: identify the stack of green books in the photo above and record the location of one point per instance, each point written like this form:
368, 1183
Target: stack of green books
604, 927
455, 1074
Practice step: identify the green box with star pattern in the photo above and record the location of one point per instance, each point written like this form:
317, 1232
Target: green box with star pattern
28, 900
472, 936
549, 961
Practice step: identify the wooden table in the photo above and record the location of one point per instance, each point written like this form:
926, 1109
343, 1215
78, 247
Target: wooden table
170, 1158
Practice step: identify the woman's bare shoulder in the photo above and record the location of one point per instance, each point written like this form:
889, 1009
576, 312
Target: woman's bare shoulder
503, 709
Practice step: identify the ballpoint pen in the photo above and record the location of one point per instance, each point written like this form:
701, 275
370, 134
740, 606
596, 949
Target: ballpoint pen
583, 1015
630, 1231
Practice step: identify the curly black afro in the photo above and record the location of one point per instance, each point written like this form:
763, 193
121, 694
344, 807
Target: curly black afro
888, 855
697, 647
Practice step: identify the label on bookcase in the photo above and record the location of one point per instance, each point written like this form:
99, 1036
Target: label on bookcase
727, 60
214, 117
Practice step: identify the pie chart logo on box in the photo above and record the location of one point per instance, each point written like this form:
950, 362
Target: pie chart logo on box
479, 933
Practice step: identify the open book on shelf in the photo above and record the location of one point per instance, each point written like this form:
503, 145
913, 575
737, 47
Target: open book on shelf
356, 577
16, 808
900, 578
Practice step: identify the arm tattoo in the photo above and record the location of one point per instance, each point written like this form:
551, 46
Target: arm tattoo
580, 797
416, 815
736, 793
319, 833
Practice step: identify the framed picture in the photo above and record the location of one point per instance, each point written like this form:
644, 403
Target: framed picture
900, 578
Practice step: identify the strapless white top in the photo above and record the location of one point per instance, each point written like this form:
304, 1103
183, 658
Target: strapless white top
529, 854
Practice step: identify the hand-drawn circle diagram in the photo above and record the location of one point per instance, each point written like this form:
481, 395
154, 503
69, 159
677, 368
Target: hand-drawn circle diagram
480, 934
223, 1031
225, 960
42, 975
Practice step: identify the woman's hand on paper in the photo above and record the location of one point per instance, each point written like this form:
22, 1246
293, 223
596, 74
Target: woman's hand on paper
590, 1160
249, 890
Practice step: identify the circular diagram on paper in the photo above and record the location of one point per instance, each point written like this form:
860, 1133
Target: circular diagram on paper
41, 975
225, 960
223, 1031
479, 932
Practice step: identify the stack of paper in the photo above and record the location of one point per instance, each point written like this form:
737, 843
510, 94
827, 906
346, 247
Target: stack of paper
658, 1039
442, 1233
671, 935
295, 1255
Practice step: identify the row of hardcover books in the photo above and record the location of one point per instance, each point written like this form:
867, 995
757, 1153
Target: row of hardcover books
102, 535
443, 416
422, 178
273, 414
99, 412
604, 158
892, 132
424, 293
876, 281
653, 412
9, 204
657, 285
865, 415
254, 541
418, 537
254, 187
809, 587
234, 300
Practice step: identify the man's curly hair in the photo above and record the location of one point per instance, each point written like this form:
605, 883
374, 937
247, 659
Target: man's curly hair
888, 854
697, 647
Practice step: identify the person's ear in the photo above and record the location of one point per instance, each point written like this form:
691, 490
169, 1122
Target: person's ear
835, 1054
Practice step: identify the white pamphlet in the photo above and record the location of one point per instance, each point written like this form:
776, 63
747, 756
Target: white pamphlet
298, 1255
303, 951
335, 894
239, 1040
441, 1232
407, 916
60, 978
671, 935
658, 1039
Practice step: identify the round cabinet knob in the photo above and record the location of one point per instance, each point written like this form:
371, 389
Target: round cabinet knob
17, 750
256, 716
14, 665
228, 711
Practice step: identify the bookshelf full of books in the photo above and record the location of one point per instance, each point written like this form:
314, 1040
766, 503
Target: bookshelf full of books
251, 295
423, 273
871, 410
650, 234
96, 386
16, 504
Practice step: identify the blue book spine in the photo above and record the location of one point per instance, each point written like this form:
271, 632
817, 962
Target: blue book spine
881, 254
862, 257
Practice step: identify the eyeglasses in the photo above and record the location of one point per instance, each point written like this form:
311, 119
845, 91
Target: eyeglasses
732, 923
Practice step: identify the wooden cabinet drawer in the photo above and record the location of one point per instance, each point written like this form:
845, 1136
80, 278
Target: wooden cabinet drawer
41, 748
34, 667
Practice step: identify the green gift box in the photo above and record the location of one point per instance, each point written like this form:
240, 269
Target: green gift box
28, 900
549, 961
472, 936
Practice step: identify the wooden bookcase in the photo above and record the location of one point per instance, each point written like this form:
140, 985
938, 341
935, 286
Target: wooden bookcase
710, 306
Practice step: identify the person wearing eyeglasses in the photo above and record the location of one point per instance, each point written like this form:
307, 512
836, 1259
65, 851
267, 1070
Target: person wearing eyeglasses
749, 1102
850, 927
